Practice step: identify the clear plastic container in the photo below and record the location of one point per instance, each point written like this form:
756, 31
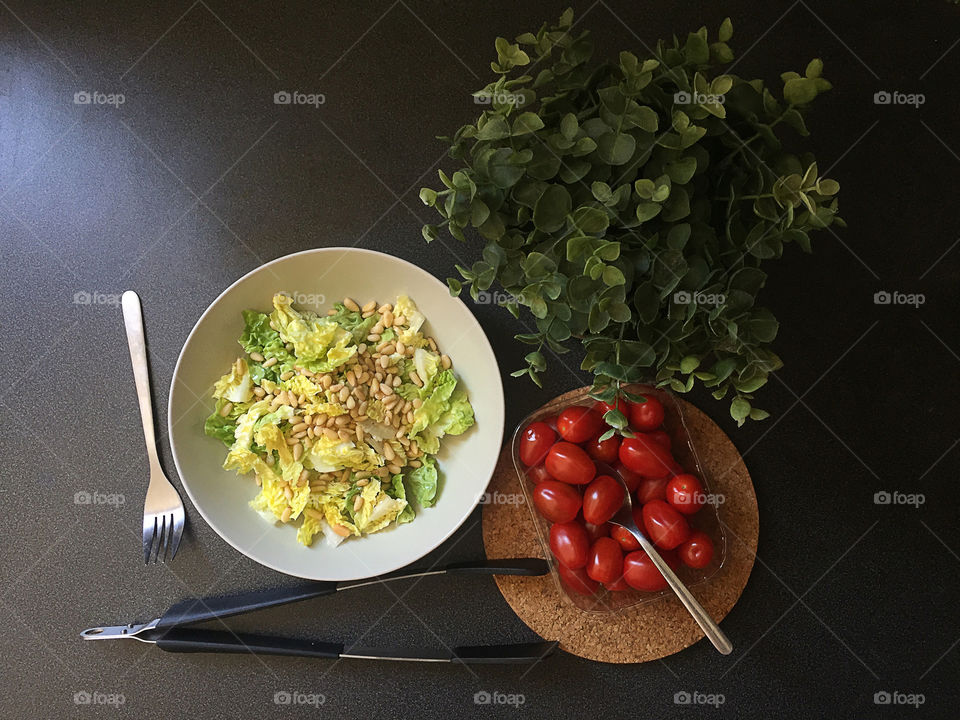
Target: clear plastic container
708, 519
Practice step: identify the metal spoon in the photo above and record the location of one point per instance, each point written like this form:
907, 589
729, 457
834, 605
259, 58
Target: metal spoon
624, 518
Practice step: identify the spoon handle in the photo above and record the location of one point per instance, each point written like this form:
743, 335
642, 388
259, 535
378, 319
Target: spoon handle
713, 632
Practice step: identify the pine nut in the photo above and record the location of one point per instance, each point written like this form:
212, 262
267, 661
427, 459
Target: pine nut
225, 410
409, 417
287, 375
357, 503
432, 343
257, 357
378, 328
400, 435
414, 448
344, 435
319, 419
373, 337
384, 361
331, 433
293, 441
340, 530
372, 305
363, 482
344, 394
257, 480
349, 304
446, 362
386, 389
342, 420
417, 403
397, 381
394, 468
298, 453
351, 403
288, 493
387, 318
414, 463
361, 349
259, 392
360, 434
384, 308
326, 381
336, 387
269, 460
415, 379
299, 427
401, 348
388, 452
270, 363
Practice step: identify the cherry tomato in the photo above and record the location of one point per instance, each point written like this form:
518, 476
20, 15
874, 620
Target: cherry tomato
685, 493
556, 501
646, 416
551, 421
569, 463
627, 541
577, 580
601, 499
578, 424
596, 531
619, 585
604, 451
630, 478
643, 455
661, 437
641, 574
538, 473
697, 551
569, 544
652, 489
535, 442
621, 404
605, 560
665, 526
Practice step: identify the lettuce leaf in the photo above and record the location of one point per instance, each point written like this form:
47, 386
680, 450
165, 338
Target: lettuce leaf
223, 428
353, 322
236, 385
397, 491
318, 343
422, 482
259, 337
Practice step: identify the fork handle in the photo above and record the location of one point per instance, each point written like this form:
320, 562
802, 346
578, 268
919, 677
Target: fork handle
709, 626
133, 323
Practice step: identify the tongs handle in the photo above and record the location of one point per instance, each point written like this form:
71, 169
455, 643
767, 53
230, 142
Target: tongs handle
217, 641
195, 610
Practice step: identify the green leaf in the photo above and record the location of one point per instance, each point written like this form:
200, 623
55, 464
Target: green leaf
739, 409
758, 414
689, 364
428, 196
814, 68
613, 276
681, 171
616, 148
494, 128
550, 212
569, 126
726, 30
591, 219
799, 91
647, 211
527, 122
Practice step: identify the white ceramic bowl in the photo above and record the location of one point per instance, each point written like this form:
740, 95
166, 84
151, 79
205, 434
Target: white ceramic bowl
316, 279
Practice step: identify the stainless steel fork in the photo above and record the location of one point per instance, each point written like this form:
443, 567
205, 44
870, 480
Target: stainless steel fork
163, 515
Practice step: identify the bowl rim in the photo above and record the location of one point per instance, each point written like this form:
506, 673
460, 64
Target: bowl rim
484, 347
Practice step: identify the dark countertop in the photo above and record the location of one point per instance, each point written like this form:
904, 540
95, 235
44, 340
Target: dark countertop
198, 178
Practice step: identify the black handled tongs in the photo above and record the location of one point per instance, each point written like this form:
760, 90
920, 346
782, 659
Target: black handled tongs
169, 632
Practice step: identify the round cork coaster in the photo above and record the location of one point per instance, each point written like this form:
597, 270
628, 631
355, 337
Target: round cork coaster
650, 630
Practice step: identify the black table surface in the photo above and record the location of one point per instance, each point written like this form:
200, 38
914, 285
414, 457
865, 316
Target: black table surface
198, 177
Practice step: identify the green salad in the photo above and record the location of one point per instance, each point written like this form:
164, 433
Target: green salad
339, 417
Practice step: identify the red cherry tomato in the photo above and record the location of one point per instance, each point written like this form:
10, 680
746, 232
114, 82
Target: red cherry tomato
621, 404
551, 421
630, 478
577, 580
646, 416
697, 551
556, 501
605, 561
627, 541
596, 531
569, 463
665, 526
652, 489
641, 574
644, 456
535, 442
618, 585
661, 437
578, 424
685, 493
569, 544
604, 451
538, 473
601, 499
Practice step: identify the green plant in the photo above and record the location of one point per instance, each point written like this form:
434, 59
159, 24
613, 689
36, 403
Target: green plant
610, 194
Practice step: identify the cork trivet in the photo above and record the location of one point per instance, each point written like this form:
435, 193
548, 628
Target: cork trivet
650, 630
